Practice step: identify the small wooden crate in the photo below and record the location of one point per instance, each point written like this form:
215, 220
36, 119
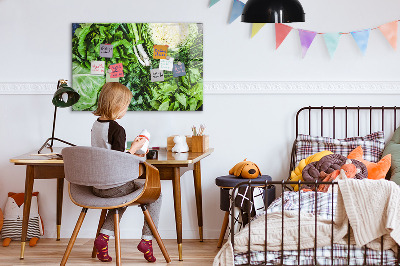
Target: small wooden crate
200, 143
171, 143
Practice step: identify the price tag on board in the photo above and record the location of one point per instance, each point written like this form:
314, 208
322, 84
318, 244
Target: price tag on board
166, 64
117, 70
106, 50
160, 51
97, 67
156, 75
179, 70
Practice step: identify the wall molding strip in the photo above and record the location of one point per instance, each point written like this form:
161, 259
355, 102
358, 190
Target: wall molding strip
244, 87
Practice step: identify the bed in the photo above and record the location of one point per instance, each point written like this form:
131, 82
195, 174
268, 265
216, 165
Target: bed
306, 227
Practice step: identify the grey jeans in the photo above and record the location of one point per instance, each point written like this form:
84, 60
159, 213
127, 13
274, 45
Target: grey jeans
154, 208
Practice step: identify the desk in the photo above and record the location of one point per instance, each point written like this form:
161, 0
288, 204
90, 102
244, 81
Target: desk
170, 165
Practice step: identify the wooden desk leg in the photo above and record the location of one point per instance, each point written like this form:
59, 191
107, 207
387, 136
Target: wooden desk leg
199, 204
176, 183
60, 191
27, 206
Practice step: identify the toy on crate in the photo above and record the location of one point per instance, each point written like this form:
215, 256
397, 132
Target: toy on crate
245, 169
180, 144
13, 215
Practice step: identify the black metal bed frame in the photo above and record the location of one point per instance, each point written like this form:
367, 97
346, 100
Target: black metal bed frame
283, 184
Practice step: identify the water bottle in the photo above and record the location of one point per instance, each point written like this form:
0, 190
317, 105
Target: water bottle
144, 134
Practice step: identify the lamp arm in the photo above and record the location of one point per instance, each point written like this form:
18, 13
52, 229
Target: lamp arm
54, 126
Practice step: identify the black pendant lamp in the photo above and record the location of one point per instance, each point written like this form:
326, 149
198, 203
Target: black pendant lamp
273, 11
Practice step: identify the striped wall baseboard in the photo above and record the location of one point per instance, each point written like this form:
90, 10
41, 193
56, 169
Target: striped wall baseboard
244, 87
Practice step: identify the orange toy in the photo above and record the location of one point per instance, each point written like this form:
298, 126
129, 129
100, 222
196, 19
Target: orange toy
245, 169
375, 170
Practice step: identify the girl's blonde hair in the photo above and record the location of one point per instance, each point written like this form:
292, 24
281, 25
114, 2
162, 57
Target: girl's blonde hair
113, 97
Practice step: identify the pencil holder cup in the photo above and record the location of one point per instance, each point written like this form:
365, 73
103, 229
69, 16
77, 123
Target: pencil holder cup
200, 143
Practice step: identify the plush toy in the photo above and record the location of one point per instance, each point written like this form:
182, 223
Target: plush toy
375, 170
348, 170
245, 169
13, 215
180, 144
1, 220
296, 174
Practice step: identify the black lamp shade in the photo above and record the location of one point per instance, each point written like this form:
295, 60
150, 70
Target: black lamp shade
71, 99
273, 11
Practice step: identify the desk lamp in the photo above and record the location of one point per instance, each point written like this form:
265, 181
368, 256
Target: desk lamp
273, 11
63, 97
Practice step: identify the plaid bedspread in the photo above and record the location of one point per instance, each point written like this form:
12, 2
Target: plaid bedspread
321, 205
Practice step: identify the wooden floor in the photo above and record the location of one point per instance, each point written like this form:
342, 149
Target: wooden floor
50, 252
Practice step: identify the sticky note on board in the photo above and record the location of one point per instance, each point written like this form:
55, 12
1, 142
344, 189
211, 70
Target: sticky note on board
106, 50
160, 51
179, 70
166, 64
97, 67
156, 75
117, 70
110, 79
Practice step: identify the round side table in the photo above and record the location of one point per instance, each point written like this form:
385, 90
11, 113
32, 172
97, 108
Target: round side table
228, 182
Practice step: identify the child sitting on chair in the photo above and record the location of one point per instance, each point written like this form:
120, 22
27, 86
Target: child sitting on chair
106, 133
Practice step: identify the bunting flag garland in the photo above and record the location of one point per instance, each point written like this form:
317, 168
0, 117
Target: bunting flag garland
281, 31
255, 28
332, 41
361, 38
389, 30
306, 39
213, 2
237, 9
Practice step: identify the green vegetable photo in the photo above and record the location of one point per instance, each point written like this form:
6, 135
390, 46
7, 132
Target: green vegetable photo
132, 45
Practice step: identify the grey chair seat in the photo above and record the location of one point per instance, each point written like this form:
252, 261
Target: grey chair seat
83, 196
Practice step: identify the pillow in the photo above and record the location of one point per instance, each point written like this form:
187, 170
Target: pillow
393, 148
372, 144
375, 170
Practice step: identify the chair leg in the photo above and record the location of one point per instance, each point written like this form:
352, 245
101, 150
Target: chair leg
101, 222
223, 229
117, 239
73, 237
154, 230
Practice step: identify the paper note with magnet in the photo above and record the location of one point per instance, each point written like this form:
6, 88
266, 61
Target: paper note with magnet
160, 51
166, 64
179, 70
106, 50
156, 75
117, 71
97, 67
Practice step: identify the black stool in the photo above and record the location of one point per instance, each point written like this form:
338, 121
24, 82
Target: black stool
226, 183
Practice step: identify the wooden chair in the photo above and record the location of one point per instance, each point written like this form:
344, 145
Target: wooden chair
85, 167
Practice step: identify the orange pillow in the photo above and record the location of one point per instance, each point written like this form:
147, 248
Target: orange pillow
375, 170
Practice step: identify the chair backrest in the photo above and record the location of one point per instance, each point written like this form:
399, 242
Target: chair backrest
92, 166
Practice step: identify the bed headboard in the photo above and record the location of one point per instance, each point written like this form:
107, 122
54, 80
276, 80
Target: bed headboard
344, 121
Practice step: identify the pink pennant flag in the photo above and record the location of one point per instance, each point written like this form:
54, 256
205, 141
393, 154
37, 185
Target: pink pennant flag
281, 31
389, 30
306, 39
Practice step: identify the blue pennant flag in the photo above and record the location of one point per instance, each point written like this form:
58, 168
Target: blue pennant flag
237, 9
332, 41
213, 2
361, 38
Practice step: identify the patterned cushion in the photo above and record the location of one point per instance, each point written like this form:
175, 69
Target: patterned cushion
372, 144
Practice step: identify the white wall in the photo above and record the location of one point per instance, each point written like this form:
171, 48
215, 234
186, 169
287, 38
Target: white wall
35, 47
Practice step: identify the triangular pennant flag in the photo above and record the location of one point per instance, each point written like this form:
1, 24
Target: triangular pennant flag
255, 28
306, 39
281, 31
361, 37
332, 41
213, 2
390, 32
237, 9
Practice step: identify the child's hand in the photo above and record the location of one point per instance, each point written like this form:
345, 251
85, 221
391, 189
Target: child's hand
142, 155
137, 144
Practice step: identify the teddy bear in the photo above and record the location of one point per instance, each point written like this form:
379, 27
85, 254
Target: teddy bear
245, 169
180, 144
13, 215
